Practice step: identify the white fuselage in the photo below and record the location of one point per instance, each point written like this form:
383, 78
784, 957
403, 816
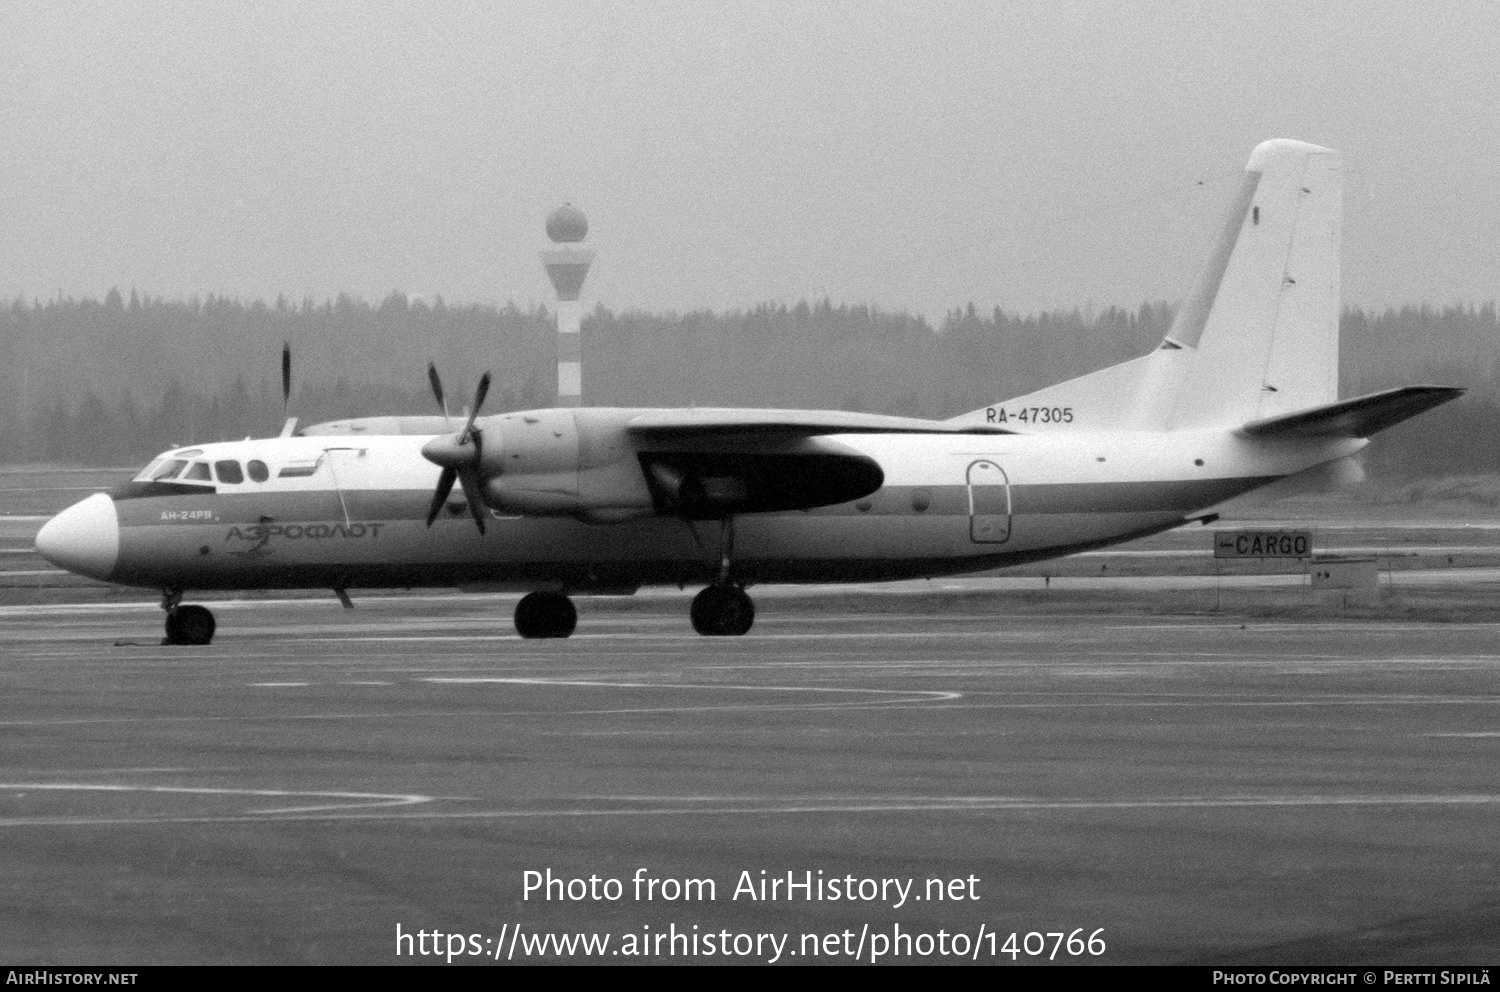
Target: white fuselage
350, 512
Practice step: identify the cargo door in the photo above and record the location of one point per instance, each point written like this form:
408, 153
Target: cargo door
989, 503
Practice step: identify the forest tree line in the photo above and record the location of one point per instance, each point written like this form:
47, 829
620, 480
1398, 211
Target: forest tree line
114, 382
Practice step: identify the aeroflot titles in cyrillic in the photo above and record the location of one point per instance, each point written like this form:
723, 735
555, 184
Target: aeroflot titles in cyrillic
296, 532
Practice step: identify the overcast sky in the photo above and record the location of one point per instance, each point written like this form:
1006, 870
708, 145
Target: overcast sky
916, 155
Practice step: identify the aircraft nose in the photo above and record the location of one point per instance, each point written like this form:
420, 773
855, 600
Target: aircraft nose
84, 538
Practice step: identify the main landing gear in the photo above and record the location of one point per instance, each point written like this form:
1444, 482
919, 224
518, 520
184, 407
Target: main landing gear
723, 609
545, 614
186, 624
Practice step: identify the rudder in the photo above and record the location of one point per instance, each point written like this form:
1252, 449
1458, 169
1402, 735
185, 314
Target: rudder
1256, 337
1263, 323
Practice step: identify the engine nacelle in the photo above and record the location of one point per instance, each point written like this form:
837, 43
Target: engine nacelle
564, 462
584, 463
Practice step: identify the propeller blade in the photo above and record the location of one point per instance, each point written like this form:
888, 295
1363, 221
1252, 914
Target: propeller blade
450, 451
440, 495
482, 391
437, 387
479, 394
286, 375
470, 480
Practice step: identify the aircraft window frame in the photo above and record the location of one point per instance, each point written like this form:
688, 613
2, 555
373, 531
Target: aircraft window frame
170, 470
257, 470
233, 474
197, 472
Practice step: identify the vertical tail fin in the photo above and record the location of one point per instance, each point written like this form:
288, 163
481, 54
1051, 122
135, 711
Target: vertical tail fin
1264, 320
1257, 336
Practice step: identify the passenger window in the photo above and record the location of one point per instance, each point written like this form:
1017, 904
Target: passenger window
229, 471
198, 472
169, 470
258, 471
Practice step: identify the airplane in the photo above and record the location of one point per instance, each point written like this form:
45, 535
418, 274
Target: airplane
554, 503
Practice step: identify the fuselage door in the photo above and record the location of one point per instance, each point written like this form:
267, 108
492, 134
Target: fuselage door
989, 503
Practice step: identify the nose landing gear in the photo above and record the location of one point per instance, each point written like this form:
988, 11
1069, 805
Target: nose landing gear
186, 624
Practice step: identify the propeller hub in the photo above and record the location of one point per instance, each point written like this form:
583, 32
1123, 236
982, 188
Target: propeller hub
451, 451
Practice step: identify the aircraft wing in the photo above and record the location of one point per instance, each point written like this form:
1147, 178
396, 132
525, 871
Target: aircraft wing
1359, 417
693, 424
380, 425
708, 463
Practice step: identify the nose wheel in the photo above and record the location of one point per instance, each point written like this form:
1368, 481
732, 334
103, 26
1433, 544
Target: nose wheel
722, 610
187, 624
545, 614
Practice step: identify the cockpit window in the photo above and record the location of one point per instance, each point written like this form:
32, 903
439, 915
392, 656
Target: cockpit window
168, 470
197, 472
229, 471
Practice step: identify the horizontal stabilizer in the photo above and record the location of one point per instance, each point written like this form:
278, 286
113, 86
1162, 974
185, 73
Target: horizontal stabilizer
698, 422
1359, 417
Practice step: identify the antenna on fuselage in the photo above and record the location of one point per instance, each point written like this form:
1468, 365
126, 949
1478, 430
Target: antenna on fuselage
290, 426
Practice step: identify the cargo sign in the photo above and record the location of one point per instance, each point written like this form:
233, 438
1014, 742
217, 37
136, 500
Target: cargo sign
1263, 544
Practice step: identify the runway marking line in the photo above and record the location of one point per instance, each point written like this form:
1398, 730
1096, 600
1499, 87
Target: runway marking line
733, 806
927, 695
1230, 703
681, 635
360, 800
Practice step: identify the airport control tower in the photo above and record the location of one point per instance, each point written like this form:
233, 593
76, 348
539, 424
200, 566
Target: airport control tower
567, 265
